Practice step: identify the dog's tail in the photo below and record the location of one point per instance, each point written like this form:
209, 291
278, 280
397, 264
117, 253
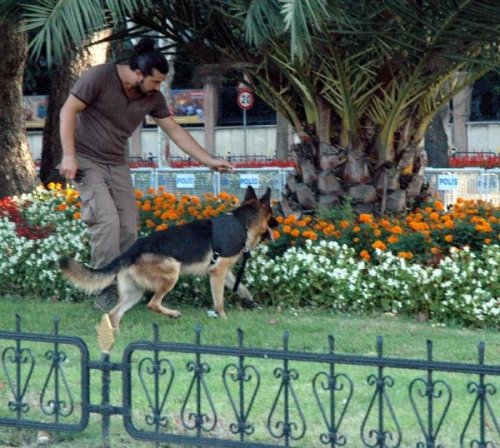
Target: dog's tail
88, 279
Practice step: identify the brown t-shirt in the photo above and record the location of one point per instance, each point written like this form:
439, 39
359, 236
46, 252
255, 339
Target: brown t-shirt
110, 117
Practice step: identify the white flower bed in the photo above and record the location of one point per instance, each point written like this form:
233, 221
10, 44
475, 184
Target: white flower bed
463, 288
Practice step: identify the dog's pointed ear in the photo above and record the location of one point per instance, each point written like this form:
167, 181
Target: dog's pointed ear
250, 194
266, 199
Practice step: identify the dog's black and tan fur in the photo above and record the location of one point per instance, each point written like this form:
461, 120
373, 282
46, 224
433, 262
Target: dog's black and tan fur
155, 262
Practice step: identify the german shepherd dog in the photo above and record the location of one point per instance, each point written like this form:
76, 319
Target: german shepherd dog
204, 247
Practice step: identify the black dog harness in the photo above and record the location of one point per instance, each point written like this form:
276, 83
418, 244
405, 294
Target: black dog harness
229, 237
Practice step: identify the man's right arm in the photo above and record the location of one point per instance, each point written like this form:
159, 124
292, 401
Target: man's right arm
67, 117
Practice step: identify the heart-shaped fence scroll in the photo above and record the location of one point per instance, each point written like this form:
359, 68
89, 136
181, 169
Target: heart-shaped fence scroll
379, 402
330, 387
426, 392
62, 403
13, 361
243, 378
162, 373
482, 406
198, 395
286, 428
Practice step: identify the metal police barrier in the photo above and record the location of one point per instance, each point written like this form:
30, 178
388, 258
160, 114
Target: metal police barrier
449, 184
195, 394
197, 181
465, 183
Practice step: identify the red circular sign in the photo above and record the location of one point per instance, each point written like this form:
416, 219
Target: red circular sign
245, 99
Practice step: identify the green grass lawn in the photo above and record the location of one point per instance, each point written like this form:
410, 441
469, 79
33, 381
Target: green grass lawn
309, 331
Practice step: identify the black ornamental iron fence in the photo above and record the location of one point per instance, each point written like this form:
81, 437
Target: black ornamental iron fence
240, 396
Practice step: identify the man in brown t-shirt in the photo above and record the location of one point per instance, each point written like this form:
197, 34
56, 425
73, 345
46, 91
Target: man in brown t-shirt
103, 109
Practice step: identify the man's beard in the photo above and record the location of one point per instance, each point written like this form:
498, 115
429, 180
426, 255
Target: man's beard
139, 88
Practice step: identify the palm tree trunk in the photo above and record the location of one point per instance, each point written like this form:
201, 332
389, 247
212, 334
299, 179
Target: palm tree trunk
436, 141
17, 172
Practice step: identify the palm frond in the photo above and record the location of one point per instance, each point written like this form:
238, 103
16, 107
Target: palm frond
63, 23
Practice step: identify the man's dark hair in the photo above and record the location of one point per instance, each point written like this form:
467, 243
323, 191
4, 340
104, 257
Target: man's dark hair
146, 58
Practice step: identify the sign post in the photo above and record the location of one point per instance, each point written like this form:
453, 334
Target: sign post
245, 100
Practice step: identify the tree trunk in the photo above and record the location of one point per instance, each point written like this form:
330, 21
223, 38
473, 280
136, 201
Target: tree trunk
436, 141
283, 139
17, 172
70, 70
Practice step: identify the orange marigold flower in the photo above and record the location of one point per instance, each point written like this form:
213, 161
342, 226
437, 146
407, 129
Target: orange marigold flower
295, 233
377, 232
309, 234
393, 239
77, 215
435, 250
301, 223
484, 227
397, 230
62, 207
151, 190
439, 206
434, 216
356, 229
487, 241
365, 255
161, 227
365, 217
405, 255
379, 245
448, 238
287, 229
276, 234
344, 224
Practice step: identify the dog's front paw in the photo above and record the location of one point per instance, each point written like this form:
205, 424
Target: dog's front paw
174, 314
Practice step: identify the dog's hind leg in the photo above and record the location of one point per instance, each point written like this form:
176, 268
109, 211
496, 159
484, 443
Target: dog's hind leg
242, 291
162, 278
129, 293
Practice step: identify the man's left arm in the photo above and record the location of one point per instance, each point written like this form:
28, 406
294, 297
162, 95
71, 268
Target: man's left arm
184, 140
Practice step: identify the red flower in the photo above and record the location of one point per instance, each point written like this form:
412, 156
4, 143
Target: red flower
8, 208
247, 164
479, 160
